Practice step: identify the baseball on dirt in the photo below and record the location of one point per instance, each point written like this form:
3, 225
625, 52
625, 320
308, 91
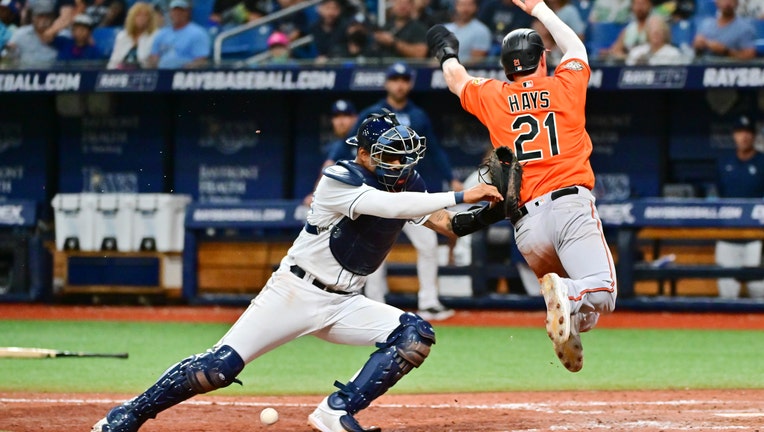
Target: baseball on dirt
269, 416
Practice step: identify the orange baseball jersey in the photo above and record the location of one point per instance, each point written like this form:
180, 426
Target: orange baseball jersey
542, 120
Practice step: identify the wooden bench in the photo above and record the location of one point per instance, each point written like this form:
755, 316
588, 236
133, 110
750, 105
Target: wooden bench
694, 272
107, 272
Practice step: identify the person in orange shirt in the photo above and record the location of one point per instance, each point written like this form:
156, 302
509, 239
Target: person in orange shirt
541, 119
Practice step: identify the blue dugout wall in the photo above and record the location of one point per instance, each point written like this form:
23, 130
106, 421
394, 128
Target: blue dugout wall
226, 136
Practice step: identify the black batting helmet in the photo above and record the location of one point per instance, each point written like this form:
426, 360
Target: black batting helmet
521, 51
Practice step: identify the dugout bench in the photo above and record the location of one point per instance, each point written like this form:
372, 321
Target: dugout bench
688, 227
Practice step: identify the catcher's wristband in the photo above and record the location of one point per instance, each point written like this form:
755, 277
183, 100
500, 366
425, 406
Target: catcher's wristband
459, 197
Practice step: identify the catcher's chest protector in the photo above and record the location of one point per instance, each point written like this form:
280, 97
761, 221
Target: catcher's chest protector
361, 245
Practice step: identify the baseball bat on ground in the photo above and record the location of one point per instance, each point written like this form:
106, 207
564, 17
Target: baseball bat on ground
19, 352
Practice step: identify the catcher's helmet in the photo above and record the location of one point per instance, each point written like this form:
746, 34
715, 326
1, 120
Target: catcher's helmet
395, 149
521, 51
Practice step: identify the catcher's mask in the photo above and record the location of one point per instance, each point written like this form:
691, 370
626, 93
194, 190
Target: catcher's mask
395, 149
521, 51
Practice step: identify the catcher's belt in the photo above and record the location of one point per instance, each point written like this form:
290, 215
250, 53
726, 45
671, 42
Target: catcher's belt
559, 193
302, 274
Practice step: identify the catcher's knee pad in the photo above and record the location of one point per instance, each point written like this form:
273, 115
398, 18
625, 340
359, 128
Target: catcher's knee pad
214, 369
197, 374
413, 338
405, 348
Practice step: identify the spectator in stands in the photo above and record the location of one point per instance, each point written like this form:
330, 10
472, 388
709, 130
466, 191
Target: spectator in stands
231, 13
429, 15
183, 44
726, 35
658, 49
751, 9
501, 17
28, 47
402, 35
569, 14
106, 13
474, 36
356, 44
329, 31
344, 118
633, 34
9, 17
80, 46
295, 26
278, 47
616, 11
132, 46
741, 176
63, 14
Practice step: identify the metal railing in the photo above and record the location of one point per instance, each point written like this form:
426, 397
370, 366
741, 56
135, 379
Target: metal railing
217, 50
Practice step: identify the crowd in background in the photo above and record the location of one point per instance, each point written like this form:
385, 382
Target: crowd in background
130, 34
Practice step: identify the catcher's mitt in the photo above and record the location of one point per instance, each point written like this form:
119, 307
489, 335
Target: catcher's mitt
506, 174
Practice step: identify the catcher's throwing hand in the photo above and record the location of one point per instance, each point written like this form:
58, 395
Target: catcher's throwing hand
482, 192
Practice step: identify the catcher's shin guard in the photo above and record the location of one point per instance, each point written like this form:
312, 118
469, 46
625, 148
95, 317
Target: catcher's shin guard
194, 375
406, 348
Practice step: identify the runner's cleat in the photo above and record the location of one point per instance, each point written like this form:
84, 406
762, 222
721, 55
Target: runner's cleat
567, 342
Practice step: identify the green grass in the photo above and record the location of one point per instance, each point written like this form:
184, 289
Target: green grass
463, 360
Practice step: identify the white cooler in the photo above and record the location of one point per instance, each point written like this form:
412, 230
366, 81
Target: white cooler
74, 216
158, 222
114, 221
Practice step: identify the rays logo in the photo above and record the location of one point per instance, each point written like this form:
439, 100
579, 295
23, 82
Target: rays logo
616, 214
228, 136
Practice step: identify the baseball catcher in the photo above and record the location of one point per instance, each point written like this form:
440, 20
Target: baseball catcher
358, 211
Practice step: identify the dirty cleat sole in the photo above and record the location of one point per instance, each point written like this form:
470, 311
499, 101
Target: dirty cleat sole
557, 309
571, 353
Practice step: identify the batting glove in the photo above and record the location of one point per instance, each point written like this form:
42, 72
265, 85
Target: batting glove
442, 43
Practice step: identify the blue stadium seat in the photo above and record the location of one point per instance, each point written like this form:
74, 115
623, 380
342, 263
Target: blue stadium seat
201, 11
705, 8
584, 8
601, 35
758, 24
104, 38
682, 33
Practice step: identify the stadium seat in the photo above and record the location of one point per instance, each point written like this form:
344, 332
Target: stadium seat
682, 33
104, 38
600, 35
758, 24
584, 7
246, 44
201, 11
705, 8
